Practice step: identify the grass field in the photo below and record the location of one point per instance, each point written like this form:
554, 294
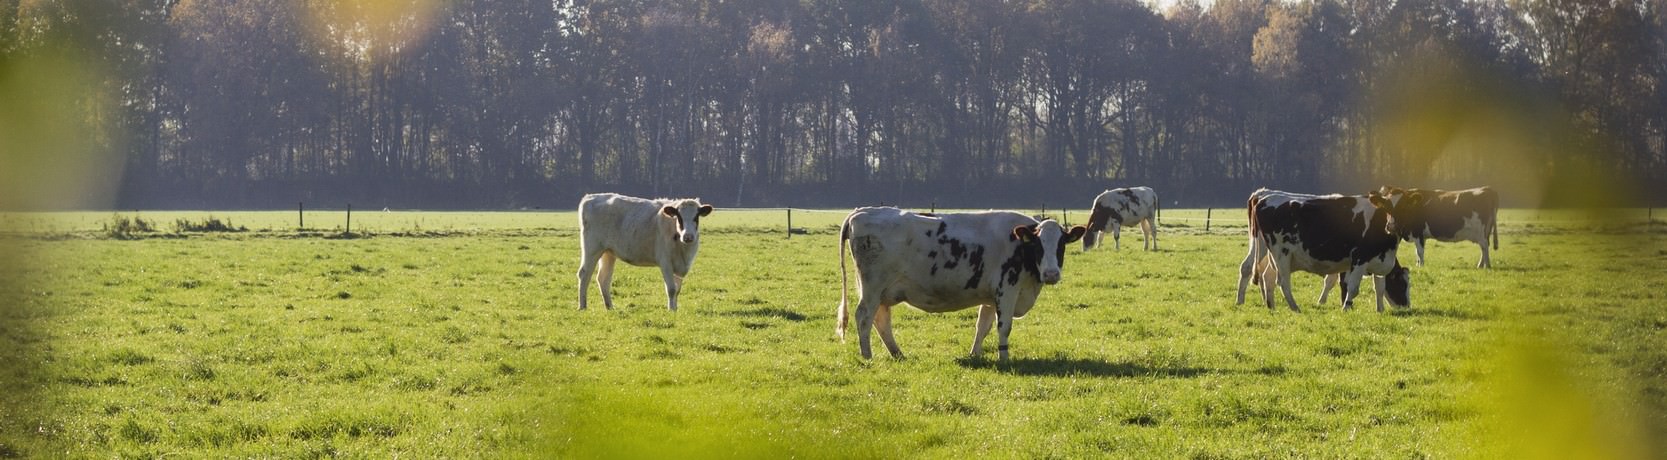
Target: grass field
456, 335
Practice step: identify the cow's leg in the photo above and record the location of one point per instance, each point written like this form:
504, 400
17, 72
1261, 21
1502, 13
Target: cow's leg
1485, 263
1004, 320
882, 322
1330, 282
605, 279
1268, 276
1351, 286
674, 283
1284, 272
587, 266
1377, 287
1117, 236
986, 318
866, 307
1418, 244
1150, 230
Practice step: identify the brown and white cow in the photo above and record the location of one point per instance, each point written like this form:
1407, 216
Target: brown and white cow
1451, 216
996, 260
641, 232
1349, 235
1123, 206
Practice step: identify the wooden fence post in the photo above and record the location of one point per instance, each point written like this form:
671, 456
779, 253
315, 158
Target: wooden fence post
789, 223
300, 215
350, 218
1207, 212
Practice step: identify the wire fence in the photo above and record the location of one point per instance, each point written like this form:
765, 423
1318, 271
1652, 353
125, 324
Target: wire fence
787, 220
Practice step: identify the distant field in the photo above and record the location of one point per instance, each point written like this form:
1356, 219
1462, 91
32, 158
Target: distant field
461, 339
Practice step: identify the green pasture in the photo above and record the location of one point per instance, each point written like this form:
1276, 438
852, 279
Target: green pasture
456, 335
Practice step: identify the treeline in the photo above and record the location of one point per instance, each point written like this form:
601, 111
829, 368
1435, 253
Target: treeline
516, 103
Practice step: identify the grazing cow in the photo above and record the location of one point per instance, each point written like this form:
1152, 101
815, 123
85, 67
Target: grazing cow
641, 232
1265, 272
994, 260
1462, 215
1123, 206
1350, 235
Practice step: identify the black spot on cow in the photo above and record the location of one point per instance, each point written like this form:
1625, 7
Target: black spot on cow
942, 227
977, 261
932, 254
955, 251
1027, 256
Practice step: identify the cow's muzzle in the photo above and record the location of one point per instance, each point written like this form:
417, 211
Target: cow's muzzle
688, 239
1050, 277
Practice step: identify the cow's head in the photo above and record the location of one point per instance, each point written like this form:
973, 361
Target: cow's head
1101, 215
1398, 286
1405, 208
1384, 206
1046, 241
687, 213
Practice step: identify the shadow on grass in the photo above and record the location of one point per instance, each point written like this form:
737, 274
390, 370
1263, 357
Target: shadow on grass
1060, 366
768, 312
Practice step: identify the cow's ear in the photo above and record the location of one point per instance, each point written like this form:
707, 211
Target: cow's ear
1075, 234
705, 209
1024, 233
669, 211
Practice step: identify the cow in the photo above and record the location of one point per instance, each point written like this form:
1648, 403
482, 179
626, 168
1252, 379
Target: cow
1330, 234
1123, 206
995, 260
1462, 215
641, 232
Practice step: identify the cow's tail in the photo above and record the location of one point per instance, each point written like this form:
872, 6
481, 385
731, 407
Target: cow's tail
844, 280
1495, 225
1157, 212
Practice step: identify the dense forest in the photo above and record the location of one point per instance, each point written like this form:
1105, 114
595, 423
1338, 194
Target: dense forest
969, 103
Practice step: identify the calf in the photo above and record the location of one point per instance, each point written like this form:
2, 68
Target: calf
994, 260
663, 233
1123, 206
1348, 235
1463, 215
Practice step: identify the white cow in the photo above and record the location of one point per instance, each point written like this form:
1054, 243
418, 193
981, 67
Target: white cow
663, 233
1123, 206
994, 260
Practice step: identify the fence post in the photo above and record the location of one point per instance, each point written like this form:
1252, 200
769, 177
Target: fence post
350, 218
789, 223
301, 215
1207, 212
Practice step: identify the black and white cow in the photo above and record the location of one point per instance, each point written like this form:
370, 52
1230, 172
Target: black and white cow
1462, 215
1123, 206
641, 232
997, 261
1330, 234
